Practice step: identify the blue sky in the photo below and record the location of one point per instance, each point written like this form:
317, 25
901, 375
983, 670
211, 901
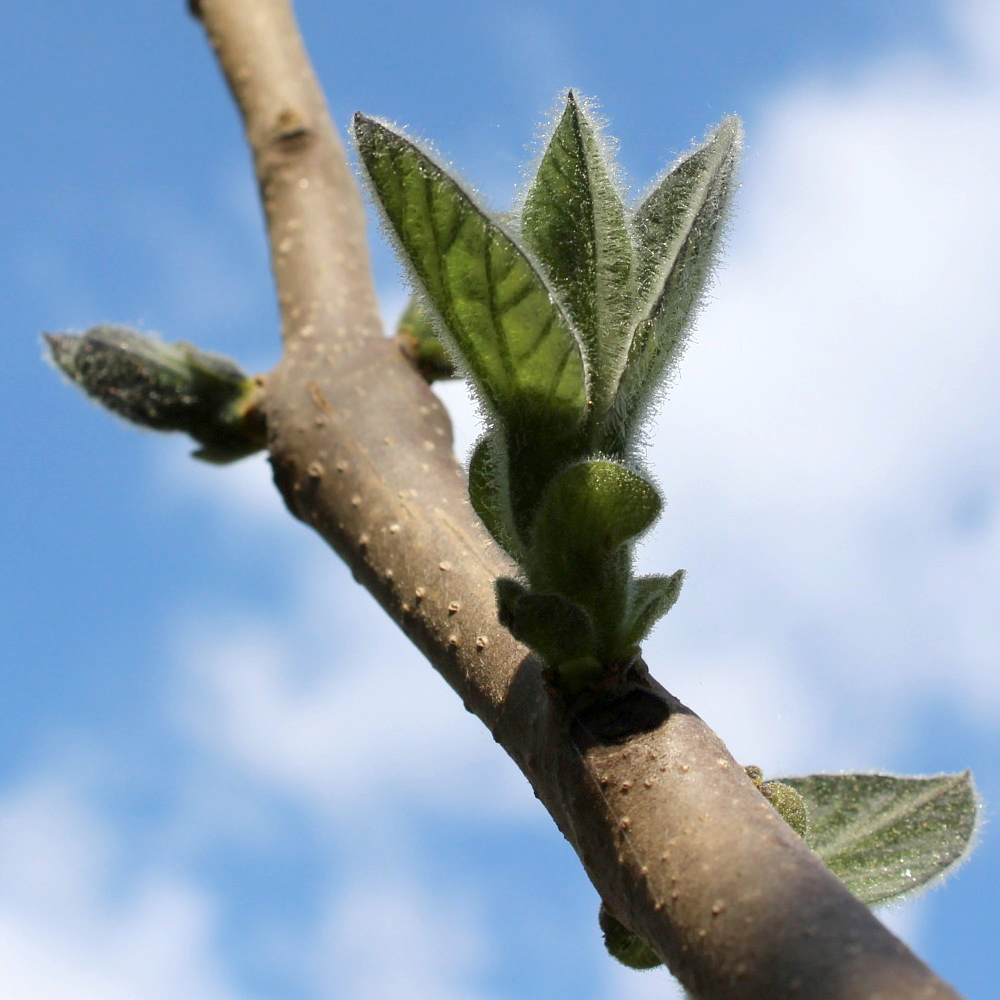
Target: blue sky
201, 791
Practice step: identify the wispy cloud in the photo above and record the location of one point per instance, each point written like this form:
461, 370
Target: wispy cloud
74, 925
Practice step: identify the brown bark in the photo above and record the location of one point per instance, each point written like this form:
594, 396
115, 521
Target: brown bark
672, 833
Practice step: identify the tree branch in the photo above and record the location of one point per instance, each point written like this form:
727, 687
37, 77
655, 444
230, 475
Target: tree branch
674, 836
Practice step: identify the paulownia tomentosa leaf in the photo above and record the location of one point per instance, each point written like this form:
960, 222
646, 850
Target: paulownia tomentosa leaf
574, 220
676, 231
650, 598
494, 305
488, 493
588, 513
884, 836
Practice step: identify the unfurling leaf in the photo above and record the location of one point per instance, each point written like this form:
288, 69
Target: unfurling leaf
565, 317
885, 836
574, 221
554, 627
166, 387
589, 510
489, 497
650, 598
676, 230
508, 330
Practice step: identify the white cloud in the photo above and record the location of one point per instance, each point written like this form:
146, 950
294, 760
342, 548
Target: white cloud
72, 927
340, 710
397, 939
839, 409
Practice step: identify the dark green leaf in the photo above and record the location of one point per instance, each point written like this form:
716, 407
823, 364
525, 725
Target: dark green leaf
574, 221
884, 836
553, 627
507, 328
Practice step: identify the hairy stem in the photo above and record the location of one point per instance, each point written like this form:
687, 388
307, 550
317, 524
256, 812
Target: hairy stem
673, 834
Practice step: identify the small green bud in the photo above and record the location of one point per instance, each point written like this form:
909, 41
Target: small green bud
622, 944
791, 807
787, 802
419, 341
166, 387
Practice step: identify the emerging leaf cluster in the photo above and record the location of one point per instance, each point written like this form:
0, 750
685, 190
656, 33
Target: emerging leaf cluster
567, 319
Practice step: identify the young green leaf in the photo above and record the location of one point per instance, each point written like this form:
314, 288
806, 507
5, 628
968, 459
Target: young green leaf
574, 221
650, 598
591, 508
676, 231
508, 330
884, 836
488, 494
555, 628
587, 514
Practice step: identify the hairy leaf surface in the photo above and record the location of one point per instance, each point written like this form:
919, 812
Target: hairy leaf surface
507, 328
574, 221
677, 231
885, 836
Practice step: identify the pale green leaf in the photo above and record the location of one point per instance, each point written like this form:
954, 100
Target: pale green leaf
884, 836
488, 494
574, 221
492, 301
651, 597
676, 230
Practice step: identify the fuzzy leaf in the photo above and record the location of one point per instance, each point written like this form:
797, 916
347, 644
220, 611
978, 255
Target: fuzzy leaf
508, 592
884, 836
789, 805
507, 328
677, 231
588, 512
650, 599
487, 492
552, 626
574, 221
592, 507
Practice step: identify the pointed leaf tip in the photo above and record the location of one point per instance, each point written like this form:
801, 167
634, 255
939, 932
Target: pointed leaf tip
574, 220
491, 299
677, 231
